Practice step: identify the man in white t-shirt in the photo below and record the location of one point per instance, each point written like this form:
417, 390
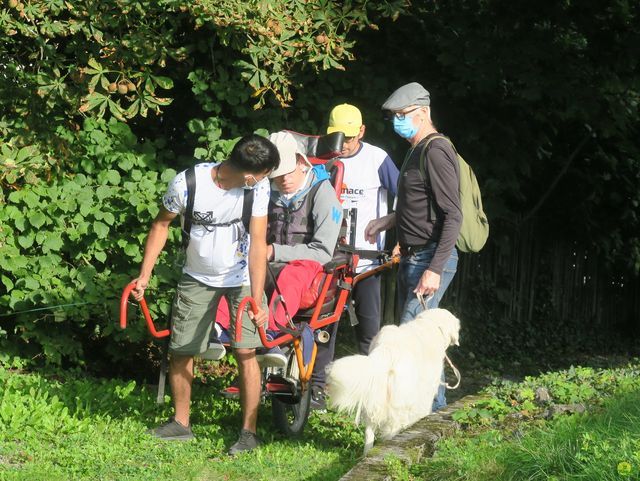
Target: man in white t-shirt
369, 175
222, 259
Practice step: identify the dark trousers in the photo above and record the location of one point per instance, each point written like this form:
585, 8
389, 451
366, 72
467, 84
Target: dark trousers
324, 356
366, 297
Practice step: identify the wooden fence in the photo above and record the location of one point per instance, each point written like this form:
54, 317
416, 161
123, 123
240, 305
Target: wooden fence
526, 279
564, 280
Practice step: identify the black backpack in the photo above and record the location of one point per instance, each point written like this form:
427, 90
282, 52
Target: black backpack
247, 205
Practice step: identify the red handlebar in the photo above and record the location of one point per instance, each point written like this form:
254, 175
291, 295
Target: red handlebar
145, 311
261, 331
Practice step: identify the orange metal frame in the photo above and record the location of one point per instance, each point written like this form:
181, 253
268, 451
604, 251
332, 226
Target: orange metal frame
346, 276
315, 323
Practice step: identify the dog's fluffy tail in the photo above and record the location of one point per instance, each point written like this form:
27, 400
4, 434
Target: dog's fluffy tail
358, 384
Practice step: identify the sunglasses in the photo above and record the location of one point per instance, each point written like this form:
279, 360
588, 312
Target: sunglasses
389, 115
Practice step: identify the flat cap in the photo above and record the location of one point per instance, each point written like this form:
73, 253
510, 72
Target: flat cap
409, 94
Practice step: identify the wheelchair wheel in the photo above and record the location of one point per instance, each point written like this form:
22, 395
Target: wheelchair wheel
290, 418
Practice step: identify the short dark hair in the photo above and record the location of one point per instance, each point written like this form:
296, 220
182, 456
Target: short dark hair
254, 154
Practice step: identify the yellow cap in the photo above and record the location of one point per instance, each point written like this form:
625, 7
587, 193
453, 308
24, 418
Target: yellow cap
345, 118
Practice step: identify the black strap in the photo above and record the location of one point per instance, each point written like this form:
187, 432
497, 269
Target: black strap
247, 207
190, 175
424, 172
280, 298
371, 254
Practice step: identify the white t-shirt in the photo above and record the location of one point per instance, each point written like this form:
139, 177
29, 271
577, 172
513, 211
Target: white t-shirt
363, 189
216, 256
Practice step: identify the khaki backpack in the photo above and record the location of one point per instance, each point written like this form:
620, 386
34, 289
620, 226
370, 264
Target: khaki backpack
475, 226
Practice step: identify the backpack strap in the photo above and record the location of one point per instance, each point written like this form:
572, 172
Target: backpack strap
423, 155
247, 207
422, 168
190, 175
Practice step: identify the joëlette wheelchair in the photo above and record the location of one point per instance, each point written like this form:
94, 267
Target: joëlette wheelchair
328, 298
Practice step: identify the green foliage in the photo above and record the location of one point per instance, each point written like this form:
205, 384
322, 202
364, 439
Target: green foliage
114, 56
576, 385
602, 446
78, 192
63, 243
538, 105
66, 426
281, 38
598, 445
482, 412
397, 469
189, 78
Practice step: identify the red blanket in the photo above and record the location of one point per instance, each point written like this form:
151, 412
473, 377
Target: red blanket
294, 281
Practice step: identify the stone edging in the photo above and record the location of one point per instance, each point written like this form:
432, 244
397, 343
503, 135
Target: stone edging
410, 445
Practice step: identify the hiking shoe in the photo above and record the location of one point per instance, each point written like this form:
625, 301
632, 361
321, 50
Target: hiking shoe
273, 357
246, 442
318, 399
215, 351
172, 430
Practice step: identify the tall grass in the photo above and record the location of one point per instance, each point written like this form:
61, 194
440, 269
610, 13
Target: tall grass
600, 446
71, 428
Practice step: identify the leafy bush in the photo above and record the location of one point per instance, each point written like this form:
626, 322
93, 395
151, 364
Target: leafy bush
80, 186
75, 241
576, 385
174, 80
503, 441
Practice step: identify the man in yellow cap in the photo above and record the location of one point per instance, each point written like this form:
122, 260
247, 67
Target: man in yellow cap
369, 176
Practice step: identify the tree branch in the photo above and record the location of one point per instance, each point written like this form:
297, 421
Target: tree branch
558, 177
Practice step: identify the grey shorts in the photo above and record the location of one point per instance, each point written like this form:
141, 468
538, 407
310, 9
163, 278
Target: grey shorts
194, 311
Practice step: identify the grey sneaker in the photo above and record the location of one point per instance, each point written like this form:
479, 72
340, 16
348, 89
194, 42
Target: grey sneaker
274, 357
246, 442
214, 352
172, 430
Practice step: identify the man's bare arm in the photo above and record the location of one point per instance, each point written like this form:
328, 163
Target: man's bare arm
156, 240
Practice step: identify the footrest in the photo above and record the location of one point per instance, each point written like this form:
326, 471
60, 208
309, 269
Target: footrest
231, 392
279, 388
284, 389
276, 385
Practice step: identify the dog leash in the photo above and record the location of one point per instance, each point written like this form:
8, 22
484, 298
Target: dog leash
424, 303
422, 300
455, 371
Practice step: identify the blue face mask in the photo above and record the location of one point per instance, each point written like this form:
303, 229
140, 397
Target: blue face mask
404, 128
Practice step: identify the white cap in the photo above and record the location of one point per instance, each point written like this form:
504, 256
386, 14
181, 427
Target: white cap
287, 148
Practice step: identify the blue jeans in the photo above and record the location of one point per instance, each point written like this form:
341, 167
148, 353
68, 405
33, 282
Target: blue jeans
409, 273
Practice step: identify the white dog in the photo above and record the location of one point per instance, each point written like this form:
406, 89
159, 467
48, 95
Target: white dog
394, 386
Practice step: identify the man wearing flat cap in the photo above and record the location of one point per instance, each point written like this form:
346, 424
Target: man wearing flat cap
428, 215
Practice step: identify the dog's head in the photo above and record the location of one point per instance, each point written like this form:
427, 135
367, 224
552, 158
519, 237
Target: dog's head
448, 324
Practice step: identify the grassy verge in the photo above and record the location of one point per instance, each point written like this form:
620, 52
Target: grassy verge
515, 436
66, 426
69, 427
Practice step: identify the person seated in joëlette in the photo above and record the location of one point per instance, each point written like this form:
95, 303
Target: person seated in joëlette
304, 221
